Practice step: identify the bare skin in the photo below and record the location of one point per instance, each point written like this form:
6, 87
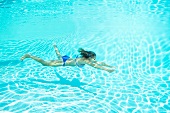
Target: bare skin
71, 62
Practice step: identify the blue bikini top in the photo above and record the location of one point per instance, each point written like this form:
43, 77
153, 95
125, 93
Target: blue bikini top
79, 65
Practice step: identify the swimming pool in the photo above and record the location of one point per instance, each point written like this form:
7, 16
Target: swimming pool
132, 35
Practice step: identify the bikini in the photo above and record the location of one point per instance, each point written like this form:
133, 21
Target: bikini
79, 65
65, 58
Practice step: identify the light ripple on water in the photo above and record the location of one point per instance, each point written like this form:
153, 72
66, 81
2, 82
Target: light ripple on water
140, 83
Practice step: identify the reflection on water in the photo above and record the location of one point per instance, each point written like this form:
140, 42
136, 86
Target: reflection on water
142, 74
48, 19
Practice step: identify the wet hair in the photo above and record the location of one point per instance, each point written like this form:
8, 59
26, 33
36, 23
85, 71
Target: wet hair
86, 54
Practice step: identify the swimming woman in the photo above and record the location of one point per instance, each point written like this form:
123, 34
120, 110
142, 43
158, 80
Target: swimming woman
86, 57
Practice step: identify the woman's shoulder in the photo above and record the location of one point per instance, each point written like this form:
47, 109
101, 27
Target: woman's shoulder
87, 61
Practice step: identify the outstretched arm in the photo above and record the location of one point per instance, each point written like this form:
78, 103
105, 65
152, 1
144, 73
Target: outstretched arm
104, 64
96, 65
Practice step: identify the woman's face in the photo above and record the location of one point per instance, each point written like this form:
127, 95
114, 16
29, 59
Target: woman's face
93, 58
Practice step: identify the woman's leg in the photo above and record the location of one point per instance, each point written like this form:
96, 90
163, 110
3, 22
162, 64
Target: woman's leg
57, 52
44, 63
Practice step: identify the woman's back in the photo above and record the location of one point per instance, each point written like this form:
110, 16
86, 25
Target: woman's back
78, 61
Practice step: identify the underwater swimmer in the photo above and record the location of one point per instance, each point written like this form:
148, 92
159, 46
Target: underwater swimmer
85, 57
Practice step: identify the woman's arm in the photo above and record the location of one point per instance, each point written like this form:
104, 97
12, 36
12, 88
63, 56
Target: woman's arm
103, 64
96, 65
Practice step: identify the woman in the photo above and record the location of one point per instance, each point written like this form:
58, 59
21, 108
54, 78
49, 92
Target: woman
86, 57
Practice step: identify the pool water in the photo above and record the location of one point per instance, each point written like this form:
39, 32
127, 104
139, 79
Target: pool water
132, 35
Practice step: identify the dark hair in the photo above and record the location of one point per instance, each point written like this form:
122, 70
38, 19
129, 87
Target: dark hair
86, 54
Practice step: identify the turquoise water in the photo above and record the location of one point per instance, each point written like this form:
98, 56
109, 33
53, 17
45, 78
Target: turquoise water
132, 35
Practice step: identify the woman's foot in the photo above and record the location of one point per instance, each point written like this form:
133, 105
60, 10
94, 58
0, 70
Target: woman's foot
25, 56
54, 44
